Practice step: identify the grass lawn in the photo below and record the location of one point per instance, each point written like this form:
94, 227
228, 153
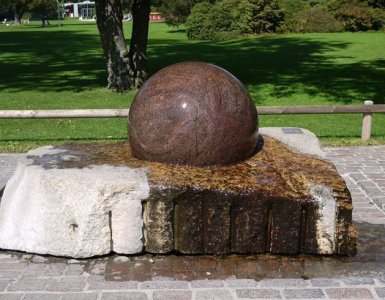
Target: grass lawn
62, 67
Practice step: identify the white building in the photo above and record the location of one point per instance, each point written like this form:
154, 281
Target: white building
81, 10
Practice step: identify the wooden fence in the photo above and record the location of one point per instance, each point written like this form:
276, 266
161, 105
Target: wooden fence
367, 109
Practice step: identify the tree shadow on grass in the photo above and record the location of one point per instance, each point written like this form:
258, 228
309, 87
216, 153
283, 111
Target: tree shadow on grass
50, 61
290, 65
71, 60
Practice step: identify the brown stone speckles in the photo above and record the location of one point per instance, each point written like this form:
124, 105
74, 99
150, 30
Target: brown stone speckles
193, 113
260, 205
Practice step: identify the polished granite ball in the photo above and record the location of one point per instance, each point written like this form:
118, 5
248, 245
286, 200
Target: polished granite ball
193, 113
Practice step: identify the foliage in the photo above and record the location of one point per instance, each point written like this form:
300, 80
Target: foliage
227, 35
175, 12
196, 21
126, 6
236, 16
315, 19
354, 18
358, 15
39, 7
293, 7
267, 16
376, 3
377, 16
354, 15
43, 7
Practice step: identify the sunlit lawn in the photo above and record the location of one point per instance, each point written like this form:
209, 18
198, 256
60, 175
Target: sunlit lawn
62, 67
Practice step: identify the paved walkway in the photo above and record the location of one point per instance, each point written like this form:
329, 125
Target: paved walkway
25, 276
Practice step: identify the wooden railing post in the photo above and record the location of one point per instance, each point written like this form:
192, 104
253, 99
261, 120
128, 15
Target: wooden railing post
367, 123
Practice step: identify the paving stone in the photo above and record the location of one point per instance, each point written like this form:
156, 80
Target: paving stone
359, 281
74, 270
206, 283
13, 267
358, 176
124, 296
241, 283
113, 285
29, 284
63, 285
9, 296
54, 270
41, 296
9, 274
172, 295
321, 282
349, 293
303, 293
283, 283
34, 270
154, 285
380, 292
258, 293
214, 295
97, 267
4, 284
79, 296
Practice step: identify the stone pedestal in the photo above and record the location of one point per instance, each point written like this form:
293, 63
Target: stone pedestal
82, 200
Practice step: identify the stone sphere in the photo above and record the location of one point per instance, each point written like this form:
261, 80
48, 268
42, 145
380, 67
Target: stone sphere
193, 113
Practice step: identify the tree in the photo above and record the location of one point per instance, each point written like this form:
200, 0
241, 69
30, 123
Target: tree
43, 7
138, 44
20, 6
17, 6
267, 16
126, 69
175, 12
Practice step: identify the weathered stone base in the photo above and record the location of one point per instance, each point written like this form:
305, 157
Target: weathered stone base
82, 200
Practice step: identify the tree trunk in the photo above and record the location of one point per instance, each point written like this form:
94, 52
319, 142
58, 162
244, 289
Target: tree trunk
17, 15
138, 46
109, 17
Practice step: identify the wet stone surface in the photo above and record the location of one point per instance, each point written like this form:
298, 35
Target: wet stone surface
193, 113
268, 203
369, 262
26, 276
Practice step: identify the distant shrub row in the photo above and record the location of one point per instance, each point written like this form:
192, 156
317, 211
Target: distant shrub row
230, 19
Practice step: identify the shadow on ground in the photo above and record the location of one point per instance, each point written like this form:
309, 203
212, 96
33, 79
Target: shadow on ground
51, 61
290, 64
72, 60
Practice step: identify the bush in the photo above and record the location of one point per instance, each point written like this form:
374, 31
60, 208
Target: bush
227, 35
355, 18
175, 12
209, 20
232, 18
196, 21
293, 7
266, 16
377, 16
315, 19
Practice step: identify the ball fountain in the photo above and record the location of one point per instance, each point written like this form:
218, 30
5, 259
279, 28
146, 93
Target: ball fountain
195, 177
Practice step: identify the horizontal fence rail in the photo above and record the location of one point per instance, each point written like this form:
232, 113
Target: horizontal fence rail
320, 109
367, 109
123, 113
64, 113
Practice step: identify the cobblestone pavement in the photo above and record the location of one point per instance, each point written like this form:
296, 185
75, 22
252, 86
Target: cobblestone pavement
26, 276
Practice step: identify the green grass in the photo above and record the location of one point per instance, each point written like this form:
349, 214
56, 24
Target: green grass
62, 67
